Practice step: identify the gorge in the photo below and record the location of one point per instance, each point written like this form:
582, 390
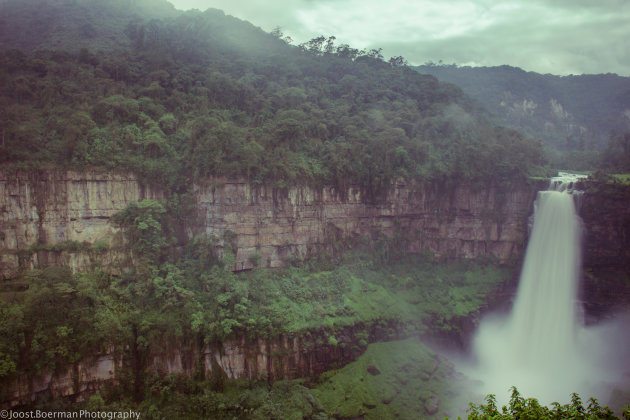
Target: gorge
65, 218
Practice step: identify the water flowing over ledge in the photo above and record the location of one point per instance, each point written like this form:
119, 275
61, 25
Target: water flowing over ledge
543, 347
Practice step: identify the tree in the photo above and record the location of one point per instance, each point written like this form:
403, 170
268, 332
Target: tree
315, 45
398, 61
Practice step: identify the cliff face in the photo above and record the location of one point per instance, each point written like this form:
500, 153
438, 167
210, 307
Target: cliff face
605, 212
63, 217
55, 207
277, 224
42, 212
283, 357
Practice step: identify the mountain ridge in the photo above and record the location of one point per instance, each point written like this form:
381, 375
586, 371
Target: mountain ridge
554, 108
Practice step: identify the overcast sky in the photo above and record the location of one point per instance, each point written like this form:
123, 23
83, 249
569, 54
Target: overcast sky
546, 36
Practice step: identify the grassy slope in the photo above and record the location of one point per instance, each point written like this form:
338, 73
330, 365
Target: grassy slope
398, 379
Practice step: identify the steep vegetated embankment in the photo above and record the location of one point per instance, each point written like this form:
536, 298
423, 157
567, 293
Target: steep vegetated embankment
203, 95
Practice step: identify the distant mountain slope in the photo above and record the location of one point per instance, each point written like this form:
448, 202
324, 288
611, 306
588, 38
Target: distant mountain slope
570, 111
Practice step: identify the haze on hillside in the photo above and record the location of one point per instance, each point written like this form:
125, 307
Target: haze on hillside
559, 37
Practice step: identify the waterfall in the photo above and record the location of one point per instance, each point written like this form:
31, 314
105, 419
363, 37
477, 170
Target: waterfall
543, 322
536, 347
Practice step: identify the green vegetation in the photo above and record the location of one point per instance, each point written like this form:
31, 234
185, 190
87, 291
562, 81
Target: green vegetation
180, 100
616, 156
391, 380
399, 379
622, 178
420, 294
178, 397
168, 300
607, 186
195, 296
529, 408
36, 338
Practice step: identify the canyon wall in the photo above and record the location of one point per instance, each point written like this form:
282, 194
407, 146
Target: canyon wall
64, 217
275, 225
284, 357
58, 217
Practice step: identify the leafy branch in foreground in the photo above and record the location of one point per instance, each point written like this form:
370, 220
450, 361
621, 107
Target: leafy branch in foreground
529, 408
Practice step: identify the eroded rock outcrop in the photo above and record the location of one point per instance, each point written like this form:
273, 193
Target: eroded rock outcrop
605, 211
278, 224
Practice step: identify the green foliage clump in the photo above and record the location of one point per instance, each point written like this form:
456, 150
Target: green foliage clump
411, 292
616, 155
146, 228
51, 327
529, 408
179, 397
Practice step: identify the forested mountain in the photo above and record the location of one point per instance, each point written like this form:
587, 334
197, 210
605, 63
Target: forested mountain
573, 114
201, 93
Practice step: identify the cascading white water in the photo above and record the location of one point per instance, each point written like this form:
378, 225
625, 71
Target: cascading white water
535, 347
542, 346
543, 323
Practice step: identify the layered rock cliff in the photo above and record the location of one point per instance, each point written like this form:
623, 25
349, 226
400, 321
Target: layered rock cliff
63, 217
282, 357
41, 209
605, 212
